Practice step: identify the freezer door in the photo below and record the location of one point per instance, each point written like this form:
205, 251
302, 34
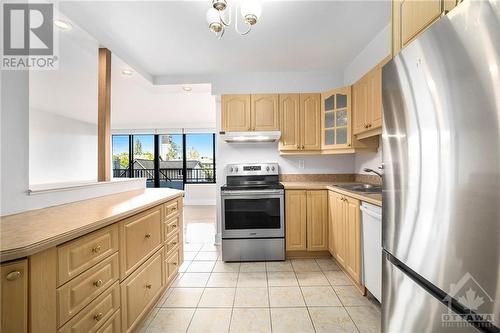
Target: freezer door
409, 308
441, 151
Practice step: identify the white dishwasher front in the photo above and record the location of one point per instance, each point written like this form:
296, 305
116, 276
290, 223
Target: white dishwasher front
372, 248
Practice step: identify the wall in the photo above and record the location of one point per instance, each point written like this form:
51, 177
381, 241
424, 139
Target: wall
371, 55
14, 154
200, 194
62, 149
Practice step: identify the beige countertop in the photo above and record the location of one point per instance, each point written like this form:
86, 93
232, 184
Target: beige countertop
373, 198
33, 231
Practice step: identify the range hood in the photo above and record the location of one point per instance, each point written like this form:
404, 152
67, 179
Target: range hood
251, 137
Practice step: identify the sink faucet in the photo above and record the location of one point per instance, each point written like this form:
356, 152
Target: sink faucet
371, 170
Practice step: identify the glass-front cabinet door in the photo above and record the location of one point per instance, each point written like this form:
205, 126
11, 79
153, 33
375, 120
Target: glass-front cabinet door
336, 118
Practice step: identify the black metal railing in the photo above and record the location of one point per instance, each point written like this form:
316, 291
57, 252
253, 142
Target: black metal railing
204, 175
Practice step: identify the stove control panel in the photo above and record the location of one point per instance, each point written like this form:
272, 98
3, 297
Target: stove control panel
252, 169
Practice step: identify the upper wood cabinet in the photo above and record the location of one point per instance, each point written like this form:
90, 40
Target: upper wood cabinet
236, 113
300, 117
14, 290
412, 17
264, 112
306, 220
336, 118
242, 113
367, 103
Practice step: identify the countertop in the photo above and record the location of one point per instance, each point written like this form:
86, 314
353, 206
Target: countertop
30, 232
373, 198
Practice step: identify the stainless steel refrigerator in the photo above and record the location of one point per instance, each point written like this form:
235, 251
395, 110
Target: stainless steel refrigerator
441, 196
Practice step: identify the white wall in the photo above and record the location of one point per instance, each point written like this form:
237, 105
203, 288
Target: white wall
14, 154
200, 194
62, 149
371, 55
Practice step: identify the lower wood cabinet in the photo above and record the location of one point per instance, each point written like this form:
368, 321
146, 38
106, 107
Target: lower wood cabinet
345, 233
306, 220
14, 292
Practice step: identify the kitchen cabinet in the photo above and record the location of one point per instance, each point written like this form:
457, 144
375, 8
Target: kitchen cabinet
300, 123
264, 112
367, 103
344, 223
336, 118
14, 291
236, 113
306, 220
246, 112
412, 17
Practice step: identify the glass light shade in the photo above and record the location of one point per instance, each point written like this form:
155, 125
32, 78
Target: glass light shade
251, 7
212, 16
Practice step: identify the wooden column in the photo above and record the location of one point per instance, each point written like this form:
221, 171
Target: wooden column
104, 117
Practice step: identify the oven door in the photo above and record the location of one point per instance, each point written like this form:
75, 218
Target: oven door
252, 214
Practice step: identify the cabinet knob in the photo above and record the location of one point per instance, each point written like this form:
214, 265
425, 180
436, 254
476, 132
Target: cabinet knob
174, 226
174, 209
298, 146
174, 263
149, 286
96, 249
147, 235
369, 125
303, 146
14, 275
98, 283
174, 243
98, 316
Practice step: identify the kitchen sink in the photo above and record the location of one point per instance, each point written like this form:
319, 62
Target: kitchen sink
360, 187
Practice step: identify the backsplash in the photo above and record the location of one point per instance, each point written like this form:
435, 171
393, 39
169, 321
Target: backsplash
335, 177
370, 179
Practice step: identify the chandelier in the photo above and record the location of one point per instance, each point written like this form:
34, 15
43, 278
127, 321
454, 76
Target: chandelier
219, 16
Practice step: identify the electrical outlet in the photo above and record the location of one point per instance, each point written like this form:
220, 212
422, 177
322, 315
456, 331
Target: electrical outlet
301, 164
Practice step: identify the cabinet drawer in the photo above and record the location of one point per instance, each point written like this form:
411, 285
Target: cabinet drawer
113, 325
172, 264
77, 293
140, 236
172, 243
76, 256
172, 226
173, 208
94, 315
140, 290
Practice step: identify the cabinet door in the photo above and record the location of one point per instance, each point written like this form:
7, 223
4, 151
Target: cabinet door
332, 223
360, 105
353, 238
317, 220
374, 115
14, 287
264, 112
339, 233
336, 118
289, 121
416, 15
236, 113
310, 113
296, 220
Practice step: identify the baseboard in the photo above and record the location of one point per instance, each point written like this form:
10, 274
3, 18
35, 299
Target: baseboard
307, 254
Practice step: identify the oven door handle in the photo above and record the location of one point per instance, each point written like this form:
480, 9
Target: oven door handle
252, 193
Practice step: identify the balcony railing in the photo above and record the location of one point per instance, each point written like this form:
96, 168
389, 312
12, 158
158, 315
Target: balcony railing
204, 175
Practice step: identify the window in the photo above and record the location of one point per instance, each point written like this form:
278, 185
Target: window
166, 160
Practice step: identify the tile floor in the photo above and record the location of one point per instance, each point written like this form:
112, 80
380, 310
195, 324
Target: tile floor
298, 295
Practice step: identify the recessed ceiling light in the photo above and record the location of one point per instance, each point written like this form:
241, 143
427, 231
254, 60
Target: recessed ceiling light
63, 25
187, 88
127, 72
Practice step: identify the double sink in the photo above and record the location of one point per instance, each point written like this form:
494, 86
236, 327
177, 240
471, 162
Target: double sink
361, 187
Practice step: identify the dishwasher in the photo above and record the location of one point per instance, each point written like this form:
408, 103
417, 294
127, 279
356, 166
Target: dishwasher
372, 248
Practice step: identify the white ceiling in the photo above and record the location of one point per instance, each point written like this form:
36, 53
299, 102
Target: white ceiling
162, 38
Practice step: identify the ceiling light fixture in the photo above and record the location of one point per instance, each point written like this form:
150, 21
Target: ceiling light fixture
187, 88
218, 20
63, 25
127, 72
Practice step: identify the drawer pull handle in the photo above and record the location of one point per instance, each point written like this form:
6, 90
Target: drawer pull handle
174, 263
174, 225
98, 283
14, 275
174, 209
96, 249
174, 243
147, 235
149, 286
98, 316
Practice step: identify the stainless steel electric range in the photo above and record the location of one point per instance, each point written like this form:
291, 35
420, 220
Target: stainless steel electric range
253, 227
